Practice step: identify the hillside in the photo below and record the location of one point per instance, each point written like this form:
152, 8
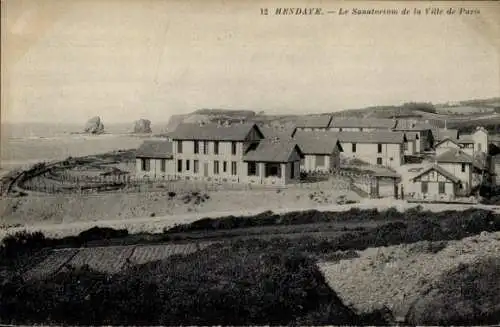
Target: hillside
462, 115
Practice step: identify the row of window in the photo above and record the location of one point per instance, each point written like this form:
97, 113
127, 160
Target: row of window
441, 187
354, 146
216, 167
146, 165
270, 169
206, 147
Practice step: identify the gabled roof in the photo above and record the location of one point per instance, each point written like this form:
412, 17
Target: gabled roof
316, 142
454, 156
155, 149
455, 141
213, 132
378, 136
443, 133
270, 132
273, 151
314, 121
440, 170
411, 125
352, 122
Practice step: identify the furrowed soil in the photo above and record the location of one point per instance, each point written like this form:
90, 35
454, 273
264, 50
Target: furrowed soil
396, 276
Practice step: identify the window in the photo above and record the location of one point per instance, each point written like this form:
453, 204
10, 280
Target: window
479, 147
273, 169
179, 165
234, 168
145, 164
196, 166
463, 168
205, 147
302, 162
224, 166
216, 147
292, 170
405, 146
179, 146
442, 186
425, 187
361, 129
379, 161
340, 129
187, 164
196, 147
163, 165
354, 147
417, 136
216, 167
320, 161
252, 169
233, 148
379, 148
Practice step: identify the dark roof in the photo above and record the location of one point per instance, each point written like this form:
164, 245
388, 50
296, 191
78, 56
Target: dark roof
385, 137
213, 132
455, 156
316, 142
441, 171
155, 149
314, 121
271, 132
380, 123
411, 125
272, 151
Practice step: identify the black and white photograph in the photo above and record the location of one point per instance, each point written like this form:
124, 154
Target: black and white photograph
250, 163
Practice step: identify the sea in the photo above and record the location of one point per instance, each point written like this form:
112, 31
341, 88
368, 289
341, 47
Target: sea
24, 144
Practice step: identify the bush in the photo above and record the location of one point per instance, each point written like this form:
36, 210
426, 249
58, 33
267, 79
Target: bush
101, 233
20, 244
467, 295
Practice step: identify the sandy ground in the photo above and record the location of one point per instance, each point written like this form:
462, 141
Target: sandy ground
248, 205
150, 211
395, 275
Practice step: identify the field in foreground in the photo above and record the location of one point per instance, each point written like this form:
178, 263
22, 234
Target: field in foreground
435, 263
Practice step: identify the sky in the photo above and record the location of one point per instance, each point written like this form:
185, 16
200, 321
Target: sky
66, 61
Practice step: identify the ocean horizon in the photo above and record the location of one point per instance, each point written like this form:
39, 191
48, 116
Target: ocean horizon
24, 144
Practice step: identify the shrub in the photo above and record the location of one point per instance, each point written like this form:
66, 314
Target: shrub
101, 233
21, 243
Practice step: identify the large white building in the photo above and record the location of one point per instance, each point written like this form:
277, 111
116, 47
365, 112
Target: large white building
237, 153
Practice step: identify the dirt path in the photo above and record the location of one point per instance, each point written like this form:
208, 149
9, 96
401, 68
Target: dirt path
157, 224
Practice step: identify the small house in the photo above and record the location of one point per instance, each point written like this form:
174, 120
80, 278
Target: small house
321, 151
435, 183
422, 131
154, 160
272, 162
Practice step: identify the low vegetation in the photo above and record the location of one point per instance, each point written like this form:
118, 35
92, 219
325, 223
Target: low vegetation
217, 286
252, 281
